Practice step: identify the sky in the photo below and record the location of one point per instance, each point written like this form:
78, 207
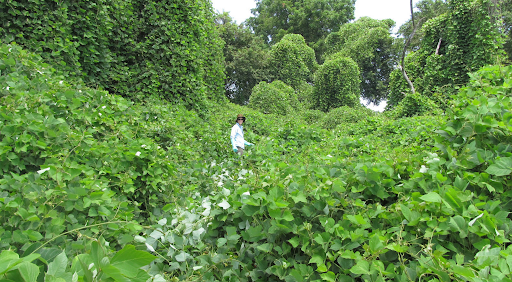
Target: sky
397, 10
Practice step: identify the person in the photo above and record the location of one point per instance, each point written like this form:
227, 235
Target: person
237, 136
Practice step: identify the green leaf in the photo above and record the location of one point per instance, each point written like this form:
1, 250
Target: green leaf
129, 260
267, 247
458, 223
376, 244
397, 248
362, 267
28, 271
502, 167
318, 258
58, 265
294, 241
463, 271
299, 197
329, 276
431, 197
8, 259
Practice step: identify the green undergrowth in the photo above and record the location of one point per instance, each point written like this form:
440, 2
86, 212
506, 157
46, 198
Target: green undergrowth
94, 187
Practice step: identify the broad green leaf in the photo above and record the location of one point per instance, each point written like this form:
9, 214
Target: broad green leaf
329, 276
181, 257
294, 276
376, 244
452, 198
294, 241
502, 167
487, 256
119, 276
458, 223
287, 215
8, 259
267, 247
28, 271
222, 241
317, 258
464, 271
299, 197
397, 248
431, 197
58, 265
362, 267
129, 260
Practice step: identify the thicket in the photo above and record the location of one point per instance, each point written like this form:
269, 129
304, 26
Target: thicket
137, 49
95, 187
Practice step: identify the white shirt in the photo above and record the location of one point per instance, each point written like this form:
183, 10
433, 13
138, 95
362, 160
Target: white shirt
237, 135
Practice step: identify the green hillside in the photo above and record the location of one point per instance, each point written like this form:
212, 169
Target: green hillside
107, 183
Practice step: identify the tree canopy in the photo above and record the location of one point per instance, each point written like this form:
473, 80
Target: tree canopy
370, 44
245, 59
313, 19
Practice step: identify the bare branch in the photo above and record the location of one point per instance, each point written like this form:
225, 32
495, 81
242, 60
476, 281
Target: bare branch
438, 45
405, 48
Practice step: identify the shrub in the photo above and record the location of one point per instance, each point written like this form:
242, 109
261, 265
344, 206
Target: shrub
415, 105
273, 98
344, 115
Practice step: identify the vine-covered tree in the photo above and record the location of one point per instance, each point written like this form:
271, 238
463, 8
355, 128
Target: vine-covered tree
136, 48
370, 44
292, 61
313, 19
273, 98
454, 44
245, 59
336, 83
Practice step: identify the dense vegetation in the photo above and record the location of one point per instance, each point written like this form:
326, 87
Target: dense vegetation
138, 183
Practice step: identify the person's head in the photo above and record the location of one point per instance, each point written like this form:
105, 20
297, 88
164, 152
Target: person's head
240, 119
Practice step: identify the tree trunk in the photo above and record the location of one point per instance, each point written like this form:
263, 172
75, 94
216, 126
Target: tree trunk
405, 48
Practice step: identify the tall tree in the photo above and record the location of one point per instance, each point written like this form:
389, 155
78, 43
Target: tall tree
369, 43
245, 59
313, 19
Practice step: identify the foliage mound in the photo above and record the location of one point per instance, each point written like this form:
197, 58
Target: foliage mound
345, 114
455, 43
336, 84
415, 105
292, 61
273, 98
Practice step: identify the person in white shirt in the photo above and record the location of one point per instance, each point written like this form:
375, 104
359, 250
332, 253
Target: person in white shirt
237, 136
